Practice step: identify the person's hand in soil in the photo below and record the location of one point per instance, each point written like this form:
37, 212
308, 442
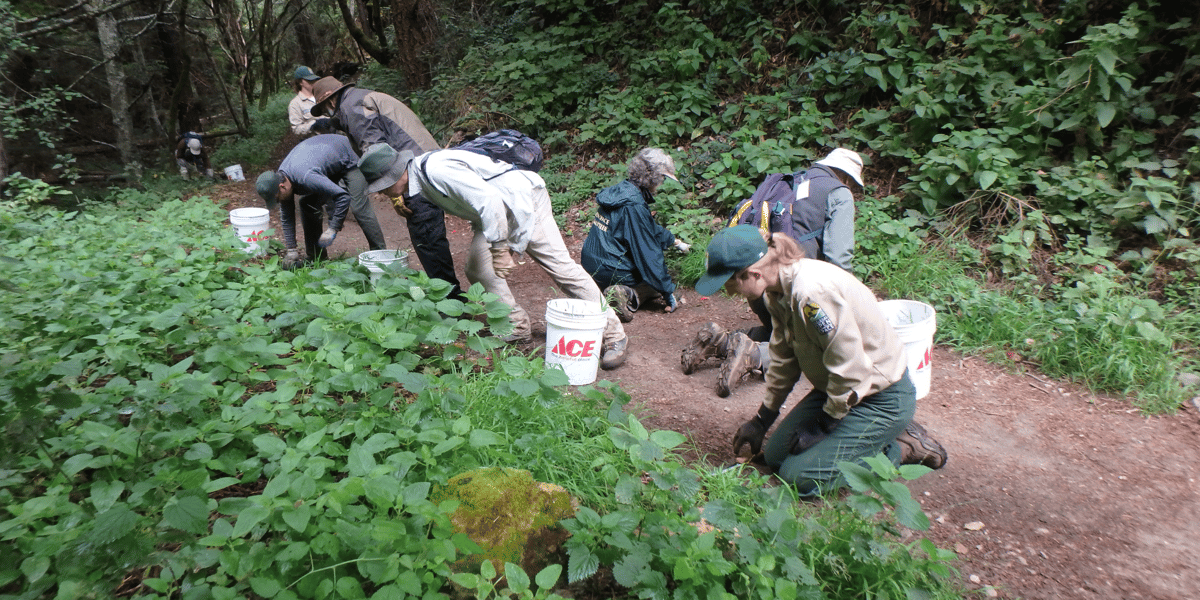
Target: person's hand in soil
753, 431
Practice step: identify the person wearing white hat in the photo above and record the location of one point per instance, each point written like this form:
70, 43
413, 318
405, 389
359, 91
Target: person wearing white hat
191, 154
624, 250
823, 227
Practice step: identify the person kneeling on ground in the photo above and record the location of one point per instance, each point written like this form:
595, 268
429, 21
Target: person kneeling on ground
509, 210
828, 327
624, 249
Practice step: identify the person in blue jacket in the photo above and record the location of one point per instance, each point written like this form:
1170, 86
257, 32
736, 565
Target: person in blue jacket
624, 251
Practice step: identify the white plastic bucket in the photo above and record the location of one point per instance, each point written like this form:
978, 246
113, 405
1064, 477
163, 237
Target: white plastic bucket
914, 323
234, 173
251, 226
574, 332
376, 260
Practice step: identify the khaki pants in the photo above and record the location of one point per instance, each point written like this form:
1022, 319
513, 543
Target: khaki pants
546, 248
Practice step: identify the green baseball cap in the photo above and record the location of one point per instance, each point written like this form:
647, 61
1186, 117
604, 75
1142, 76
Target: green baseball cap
305, 73
730, 251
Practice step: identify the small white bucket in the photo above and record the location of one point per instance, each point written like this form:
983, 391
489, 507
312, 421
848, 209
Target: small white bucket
234, 173
914, 323
251, 226
376, 260
574, 335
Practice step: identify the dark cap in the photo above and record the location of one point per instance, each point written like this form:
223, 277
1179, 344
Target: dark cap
382, 166
305, 73
730, 251
268, 186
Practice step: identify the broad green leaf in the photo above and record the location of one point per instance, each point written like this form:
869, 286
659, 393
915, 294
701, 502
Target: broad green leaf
112, 525
189, 513
986, 179
265, 587
297, 517
482, 437
1105, 112
247, 519
518, 580
199, 452
35, 567
270, 445
547, 578
667, 439
581, 564
104, 494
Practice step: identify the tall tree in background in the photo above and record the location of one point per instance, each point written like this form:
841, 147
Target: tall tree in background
110, 49
414, 23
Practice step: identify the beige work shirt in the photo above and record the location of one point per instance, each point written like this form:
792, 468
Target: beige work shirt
828, 326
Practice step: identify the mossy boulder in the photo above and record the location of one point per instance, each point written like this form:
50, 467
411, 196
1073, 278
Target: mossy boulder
510, 515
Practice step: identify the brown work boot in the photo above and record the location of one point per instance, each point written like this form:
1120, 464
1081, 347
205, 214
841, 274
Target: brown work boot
710, 341
624, 300
919, 448
742, 358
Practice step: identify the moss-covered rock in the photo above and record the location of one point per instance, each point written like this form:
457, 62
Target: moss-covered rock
511, 516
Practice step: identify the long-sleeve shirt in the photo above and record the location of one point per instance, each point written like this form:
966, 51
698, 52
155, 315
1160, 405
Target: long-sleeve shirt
828, 326
625, 243
494, 196
300, 114
315, 166
371, 117
837, 241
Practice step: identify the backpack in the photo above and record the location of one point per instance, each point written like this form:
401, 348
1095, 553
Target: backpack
507, 145
770, 207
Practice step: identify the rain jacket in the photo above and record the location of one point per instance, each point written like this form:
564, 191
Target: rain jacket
626, 244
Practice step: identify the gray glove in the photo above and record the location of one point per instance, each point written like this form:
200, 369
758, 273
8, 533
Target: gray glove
291, 258
753, 431
327, 238
682, 246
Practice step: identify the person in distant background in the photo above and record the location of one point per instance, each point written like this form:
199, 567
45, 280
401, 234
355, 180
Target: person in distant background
190, 153
300, 108
624, 249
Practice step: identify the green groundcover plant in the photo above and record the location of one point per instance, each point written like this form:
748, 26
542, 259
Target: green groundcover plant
183, 420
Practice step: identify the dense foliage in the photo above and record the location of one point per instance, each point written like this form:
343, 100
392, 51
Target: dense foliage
183, 420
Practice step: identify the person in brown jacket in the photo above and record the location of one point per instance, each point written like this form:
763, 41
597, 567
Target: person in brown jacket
827, 326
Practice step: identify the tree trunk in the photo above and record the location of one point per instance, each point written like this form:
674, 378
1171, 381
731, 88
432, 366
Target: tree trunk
3, 162
415, 24
110, 49
381, 53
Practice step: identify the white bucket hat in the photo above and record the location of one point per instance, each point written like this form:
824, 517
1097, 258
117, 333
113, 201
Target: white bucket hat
847, 161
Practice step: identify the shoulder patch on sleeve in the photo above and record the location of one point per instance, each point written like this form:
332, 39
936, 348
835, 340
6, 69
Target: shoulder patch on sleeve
817, 317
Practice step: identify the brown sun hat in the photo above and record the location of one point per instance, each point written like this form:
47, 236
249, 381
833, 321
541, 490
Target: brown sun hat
324, 89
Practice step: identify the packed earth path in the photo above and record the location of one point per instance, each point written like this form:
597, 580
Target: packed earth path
1050, 491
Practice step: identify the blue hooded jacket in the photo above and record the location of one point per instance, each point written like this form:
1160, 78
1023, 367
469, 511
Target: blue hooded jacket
625, 245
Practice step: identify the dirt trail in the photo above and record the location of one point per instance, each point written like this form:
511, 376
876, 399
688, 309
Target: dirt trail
1050, 492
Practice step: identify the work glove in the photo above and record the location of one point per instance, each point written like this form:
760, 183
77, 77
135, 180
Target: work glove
327, 238
402, 209
753, 431
682, 246
291, 258
321, 125
334, 124
502, 262
671, 303
808, 434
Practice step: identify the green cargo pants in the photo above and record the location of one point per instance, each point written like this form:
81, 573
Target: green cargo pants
871, 427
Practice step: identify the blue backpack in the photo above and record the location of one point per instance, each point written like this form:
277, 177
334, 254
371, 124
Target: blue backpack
507, 145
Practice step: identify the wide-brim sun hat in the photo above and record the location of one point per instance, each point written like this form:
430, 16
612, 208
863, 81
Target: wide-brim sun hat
382, 166
730, 251
323, 91
847, 161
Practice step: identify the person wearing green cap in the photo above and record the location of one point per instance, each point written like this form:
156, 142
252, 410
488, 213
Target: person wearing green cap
828, 327
300, 108
509, 210
309, 174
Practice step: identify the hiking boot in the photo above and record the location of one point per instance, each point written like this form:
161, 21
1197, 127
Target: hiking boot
742, 359
917, 447
623, 300
613, 354
710, 341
